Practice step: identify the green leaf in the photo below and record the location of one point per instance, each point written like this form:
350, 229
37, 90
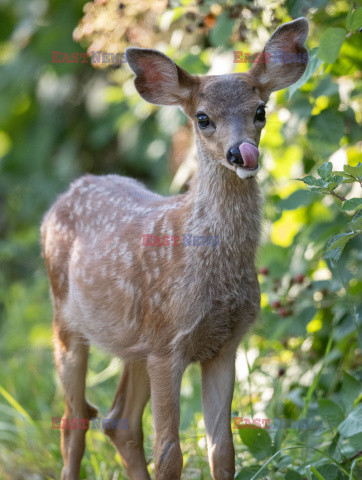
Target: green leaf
326, 87
350, 390
330, 44
339, 240
325, 131
292, 475
334, 254
353, 444
309, 180
313, 64
354, 19
220, 34
258, 442
329, 471
325, 170
298, 8
334, 182
336, 245
336, 178
352, 424
356, 222
330, 412
349, 17
354, 171
316, 473
248, 472
297, 199
352, 204
339, 173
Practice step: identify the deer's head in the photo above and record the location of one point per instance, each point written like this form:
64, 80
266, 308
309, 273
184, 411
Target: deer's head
227, 111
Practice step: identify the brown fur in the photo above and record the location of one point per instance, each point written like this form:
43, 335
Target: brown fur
160, 308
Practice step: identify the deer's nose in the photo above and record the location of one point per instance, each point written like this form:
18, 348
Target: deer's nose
245, 155
234, 156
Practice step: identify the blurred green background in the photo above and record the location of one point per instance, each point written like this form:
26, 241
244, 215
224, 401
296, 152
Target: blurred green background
59, 120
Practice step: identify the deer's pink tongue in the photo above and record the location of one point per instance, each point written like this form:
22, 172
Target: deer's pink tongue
250, 155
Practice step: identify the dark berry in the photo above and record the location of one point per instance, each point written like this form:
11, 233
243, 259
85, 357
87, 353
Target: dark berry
276, 304
299, 278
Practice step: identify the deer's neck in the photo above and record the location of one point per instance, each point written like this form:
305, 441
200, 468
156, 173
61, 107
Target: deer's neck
222, 204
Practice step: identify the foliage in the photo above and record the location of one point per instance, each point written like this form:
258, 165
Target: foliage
327, 183
59, 120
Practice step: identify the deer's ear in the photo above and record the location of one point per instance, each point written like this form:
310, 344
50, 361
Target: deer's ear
158, 79
284, 58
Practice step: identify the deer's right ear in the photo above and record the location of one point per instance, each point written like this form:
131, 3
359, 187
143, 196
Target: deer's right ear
158, 79
288, 39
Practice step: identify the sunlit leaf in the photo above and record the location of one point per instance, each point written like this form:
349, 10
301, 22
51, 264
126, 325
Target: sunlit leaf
330, 44
352, 424
354, 171
325, 170
354, 19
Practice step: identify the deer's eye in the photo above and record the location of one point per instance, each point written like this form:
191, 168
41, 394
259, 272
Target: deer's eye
203, 120
260, 114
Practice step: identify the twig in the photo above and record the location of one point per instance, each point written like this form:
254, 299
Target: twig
342, 199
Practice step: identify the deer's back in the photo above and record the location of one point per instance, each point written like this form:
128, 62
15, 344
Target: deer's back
88, 222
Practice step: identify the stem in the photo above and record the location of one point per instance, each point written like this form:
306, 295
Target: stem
342, 199
314, 384
293, 447
359, 454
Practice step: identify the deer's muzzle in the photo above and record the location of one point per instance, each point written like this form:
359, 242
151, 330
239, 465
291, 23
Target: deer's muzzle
245, 156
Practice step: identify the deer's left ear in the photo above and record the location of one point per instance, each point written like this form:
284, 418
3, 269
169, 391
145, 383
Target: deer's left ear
158, 79
284, 58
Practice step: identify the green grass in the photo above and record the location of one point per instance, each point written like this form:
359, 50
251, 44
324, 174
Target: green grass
30, 394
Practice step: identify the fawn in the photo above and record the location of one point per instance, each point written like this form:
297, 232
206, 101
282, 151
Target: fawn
161, 308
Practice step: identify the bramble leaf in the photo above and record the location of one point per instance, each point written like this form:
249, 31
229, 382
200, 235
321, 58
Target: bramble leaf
352, 204
330, 44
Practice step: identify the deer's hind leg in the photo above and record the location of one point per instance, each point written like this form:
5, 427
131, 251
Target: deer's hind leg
129, 402
71, 358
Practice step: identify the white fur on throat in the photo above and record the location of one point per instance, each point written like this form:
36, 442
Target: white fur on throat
243, 173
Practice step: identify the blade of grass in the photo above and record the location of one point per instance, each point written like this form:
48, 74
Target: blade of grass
316, 473
16, 405
312, 388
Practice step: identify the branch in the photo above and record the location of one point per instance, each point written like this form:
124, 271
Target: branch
342, 199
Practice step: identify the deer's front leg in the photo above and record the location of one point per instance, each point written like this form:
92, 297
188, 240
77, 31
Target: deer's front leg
165, 380
218, 377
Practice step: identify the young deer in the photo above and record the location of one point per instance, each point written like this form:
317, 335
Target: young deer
161, 308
